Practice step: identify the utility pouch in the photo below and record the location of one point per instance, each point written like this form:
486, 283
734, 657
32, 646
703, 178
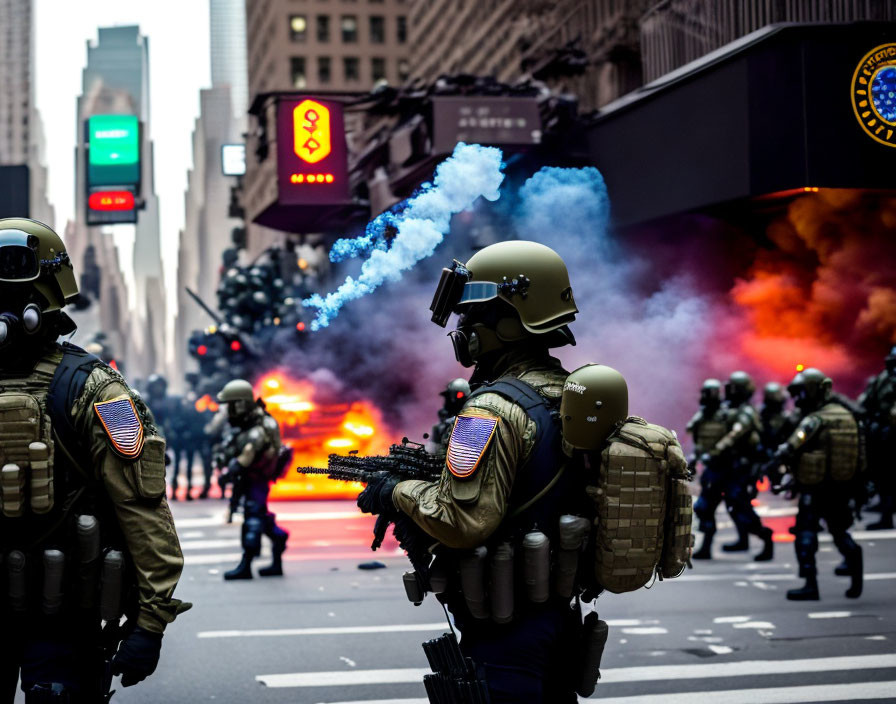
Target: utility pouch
501, 583
811, 468
149, 470
413, 588
89, 560
16, 581
537, 566
41, 477
54, 568
12, 484
594, 638
111, 587
472, 581
573, 531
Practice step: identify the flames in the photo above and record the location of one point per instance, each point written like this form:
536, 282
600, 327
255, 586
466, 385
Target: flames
825, 295
316, 428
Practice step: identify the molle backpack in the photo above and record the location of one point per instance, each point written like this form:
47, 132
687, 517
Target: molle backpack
637, 480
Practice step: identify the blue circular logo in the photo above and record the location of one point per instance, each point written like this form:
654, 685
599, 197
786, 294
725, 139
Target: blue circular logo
874, 94
883, 93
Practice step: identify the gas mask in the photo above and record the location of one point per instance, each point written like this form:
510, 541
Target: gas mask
19, 325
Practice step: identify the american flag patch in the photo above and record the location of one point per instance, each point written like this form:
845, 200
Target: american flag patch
119, 418
469, 439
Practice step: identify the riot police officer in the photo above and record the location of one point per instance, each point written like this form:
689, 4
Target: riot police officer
707, 427
504, 465
455, 396
822, 457
878, 403
83, 495
254, 452
727, 469
777, 422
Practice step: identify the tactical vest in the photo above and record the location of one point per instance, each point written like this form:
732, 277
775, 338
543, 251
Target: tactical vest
708, 431
51, 517
834, 451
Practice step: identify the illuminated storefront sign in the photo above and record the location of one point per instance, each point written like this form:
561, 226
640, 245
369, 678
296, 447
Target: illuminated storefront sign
874, 94
111, 200
233, 159
113, 150
312, 166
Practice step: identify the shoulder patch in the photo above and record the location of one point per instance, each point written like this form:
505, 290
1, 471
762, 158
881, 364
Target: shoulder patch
122, 424
470, 438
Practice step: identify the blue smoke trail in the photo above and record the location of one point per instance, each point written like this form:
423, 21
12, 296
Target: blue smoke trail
470, 172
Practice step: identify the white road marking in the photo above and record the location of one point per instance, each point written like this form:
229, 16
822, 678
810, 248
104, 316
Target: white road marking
721, 649
731, 619
716, 670
766, 695
209, 544
325, 631
830, 614
756, 625
348, 661
645, 631
221, 519
773, 577
768, 512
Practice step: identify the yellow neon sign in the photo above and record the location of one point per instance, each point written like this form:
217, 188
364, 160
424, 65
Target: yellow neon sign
311, 131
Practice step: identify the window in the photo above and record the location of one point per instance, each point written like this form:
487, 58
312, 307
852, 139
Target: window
323, 69
401, 29
351, 67
297, 71
298, 28
349, 26
378, 68
404, 70
323, 28
377, 29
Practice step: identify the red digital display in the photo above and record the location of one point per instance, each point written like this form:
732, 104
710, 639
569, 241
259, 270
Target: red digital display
236, 346
111, 200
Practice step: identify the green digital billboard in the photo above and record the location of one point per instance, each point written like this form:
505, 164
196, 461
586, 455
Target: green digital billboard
113, 150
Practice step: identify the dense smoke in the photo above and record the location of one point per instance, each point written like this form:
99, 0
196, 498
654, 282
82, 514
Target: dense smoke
696, 298
471, 172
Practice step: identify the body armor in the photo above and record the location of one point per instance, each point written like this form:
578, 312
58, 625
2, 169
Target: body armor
833, 452
708, 430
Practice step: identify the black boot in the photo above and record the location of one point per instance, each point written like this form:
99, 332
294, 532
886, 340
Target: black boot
808, 592
705, 551
242, 570
740, 545
204, 493
856, 568
885, 523
276, 567
768, 549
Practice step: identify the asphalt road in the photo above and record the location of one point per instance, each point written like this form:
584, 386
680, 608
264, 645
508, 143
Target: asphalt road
328, 632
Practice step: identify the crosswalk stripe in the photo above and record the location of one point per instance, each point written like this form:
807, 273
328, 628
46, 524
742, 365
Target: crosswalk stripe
774, 577
359, 630
219, 520
193, 560
742, 668
765, 695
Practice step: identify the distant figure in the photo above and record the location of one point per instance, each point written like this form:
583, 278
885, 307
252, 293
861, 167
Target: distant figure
455, 396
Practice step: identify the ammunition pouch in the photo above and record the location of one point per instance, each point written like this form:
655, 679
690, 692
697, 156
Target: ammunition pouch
148, 473
454, 679
594, 638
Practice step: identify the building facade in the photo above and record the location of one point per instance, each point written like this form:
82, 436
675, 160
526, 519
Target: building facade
21, 129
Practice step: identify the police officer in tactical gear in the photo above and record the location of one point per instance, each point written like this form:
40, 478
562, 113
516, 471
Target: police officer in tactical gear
455, 396
727, 466
253, 449
85, 531
777, 422
822, 457
504, 473
878, 403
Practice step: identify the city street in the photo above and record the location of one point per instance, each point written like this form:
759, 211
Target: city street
329, 632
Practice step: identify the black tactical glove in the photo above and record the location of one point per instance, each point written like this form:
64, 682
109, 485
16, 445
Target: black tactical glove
377, 495
137, 656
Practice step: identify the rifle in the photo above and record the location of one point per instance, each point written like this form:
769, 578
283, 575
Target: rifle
409, 460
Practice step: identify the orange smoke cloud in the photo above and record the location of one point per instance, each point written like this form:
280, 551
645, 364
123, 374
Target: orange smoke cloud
825, 296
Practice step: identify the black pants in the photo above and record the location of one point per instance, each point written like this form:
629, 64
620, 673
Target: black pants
532, 660
48, 651
188, 453
716, 485
828, 503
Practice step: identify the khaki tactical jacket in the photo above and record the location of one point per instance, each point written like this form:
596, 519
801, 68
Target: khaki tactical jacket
463, 513
256, 445
135, 488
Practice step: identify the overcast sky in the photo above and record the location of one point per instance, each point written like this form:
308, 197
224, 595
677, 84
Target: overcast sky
178, 32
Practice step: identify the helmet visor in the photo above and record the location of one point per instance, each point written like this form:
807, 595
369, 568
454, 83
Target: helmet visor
18, 257
448, 293
479, 292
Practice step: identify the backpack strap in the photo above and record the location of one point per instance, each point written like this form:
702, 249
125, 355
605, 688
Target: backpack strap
65, 388
533, 499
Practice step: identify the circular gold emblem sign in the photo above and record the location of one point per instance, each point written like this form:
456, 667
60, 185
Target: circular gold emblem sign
874, 94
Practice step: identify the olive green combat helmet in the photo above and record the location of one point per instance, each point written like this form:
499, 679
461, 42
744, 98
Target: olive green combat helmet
739, 388
773, 395
30, 252
517, 288
239, 397
594, 402
810, 389
711, 392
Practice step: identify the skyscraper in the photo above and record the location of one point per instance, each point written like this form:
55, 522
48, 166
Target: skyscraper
116, 81
21, 130
227, 24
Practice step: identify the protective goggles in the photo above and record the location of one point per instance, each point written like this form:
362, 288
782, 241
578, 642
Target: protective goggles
449, 292
18, 256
